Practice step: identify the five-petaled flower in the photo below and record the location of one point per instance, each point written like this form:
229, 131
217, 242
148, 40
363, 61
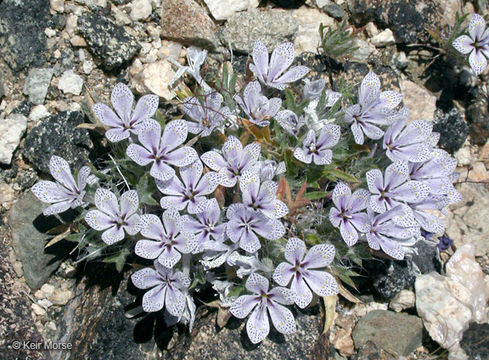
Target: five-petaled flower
160, 150
111, 217
394, 188
168, 239
262, 301
476, 43
125, 121
261, 196
347, 213
245, 225
65, 193
234, 161
168, 288
299, 267
408, 142
290, 122
318, 151
274, 73
388, 231
208, 232
257, 107
207, 116
374, 109
191, 192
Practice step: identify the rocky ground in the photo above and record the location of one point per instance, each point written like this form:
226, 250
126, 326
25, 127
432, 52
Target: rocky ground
54, 54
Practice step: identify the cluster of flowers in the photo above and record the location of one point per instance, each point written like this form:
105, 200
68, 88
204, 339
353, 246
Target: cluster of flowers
199, 228
476, 43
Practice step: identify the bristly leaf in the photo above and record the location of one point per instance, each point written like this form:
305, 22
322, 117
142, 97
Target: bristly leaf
146, 188
119, 259
315, 195
337, 43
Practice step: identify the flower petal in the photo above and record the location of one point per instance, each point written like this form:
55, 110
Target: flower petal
282, 57
319, 256
151, 227
257, 283
98, 220
477, 61
463, 44
243, 305
182, 156
322, 283
283, 273
174, 134
213, 160
106, 201
145, 278
113, 235
260, 58
107, 116
258, 326
60, 170
154, 299
122, 99
148, 249
303, 295
129, 202
282, 318
139, 154
174, 301
161, 171
294, 74
294, 250
145, 108
50, 192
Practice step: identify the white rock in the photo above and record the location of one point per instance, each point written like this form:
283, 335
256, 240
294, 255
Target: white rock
371, 29
463, 268
88, 66
463, 156
11, 131
50, 32
38, 112
364, 49
70, 83
307, 37
156, 76
57, 5
421, 103
47, 290
383, 38
223, 9
140, 10
38, 310
448, 304
61, 297
405, 299
321, 3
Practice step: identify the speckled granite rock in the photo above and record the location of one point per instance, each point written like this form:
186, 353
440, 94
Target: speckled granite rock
452, 128
22, 38
28, 230
16, 323
58, 135
272, 26
109, 42
476, 341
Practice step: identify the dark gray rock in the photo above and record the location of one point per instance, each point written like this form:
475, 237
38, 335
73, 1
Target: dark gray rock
395, 332
120, 2
94, 322
425, 259
390, 276
289, 4
272, 26
478, 117
58, 135
2, 91
109, 42
407, 19
370, 351
231, 342
37, 83
452, 128
15, 312
475, 341
28, 230
22, 38
334, 10
24, 108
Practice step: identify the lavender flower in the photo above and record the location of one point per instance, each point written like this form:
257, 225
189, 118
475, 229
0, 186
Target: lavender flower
195, 58
290, 122
389, 230
111, 217
269, 169
313, 89
208, 232
374, 109
257, 107
191, 192
300, 267
347, 213
258, 325
160, 150
246, 225
424, 213
205, 117
170, 238
435, 172
261, 196
408, 142
395, 188
477, 44
125, 121
168, 288
318, 150
234, 160
65, 193
444, 242
273, 73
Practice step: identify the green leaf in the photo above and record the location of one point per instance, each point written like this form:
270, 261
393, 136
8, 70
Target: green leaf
146, 187
335, 174
315, 195
119, 259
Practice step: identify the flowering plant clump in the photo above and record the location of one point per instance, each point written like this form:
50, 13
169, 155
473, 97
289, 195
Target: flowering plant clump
259, 191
